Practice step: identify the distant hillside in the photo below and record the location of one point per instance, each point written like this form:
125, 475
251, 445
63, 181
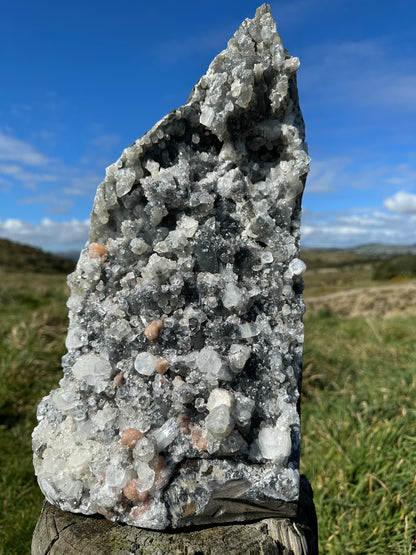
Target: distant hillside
368, 250
72, 255
334, 258
371, 253
334, 270
378, 249
16, 257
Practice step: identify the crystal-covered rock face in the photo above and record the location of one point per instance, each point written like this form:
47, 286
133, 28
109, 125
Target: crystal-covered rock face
181, 381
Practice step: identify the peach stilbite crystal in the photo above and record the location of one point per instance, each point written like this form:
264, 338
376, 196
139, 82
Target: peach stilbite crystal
96, 250
153, 329
130, 437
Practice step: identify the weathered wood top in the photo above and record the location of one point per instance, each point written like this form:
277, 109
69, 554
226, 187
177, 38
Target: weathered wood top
59, 532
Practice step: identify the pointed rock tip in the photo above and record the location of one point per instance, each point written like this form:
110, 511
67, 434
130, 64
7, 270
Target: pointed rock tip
262, 10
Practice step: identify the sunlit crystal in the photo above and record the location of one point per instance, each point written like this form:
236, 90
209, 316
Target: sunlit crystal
181, 380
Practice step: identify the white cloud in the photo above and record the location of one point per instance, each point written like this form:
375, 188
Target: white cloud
15, 150
38, 179
349, 229
29, 178
402, 203
49, 235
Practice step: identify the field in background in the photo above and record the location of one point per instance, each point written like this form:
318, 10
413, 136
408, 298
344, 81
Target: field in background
358, 410
358, 401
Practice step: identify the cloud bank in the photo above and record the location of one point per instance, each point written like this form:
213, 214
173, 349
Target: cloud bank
402, 203
47, 234
348, 229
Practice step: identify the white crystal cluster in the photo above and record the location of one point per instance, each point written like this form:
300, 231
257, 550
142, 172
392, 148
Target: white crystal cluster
178, 403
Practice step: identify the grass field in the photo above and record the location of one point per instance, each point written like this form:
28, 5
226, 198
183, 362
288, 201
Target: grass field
358, 410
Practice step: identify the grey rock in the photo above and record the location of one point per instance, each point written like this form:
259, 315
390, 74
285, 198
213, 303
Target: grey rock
178, 403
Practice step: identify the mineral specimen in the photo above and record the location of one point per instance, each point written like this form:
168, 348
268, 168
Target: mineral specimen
178, 403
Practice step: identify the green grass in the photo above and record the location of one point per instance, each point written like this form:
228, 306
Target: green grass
358, 415
31, 344
359, 422
320, 281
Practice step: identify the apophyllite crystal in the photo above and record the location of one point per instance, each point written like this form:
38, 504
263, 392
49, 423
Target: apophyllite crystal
178, 403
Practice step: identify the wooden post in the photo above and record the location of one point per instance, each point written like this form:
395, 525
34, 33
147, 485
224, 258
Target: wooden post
59, 532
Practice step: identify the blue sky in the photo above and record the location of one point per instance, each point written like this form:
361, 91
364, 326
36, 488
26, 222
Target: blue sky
80, 81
